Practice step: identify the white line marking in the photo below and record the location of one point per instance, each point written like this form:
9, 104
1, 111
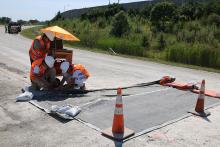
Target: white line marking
149, 92
107, 99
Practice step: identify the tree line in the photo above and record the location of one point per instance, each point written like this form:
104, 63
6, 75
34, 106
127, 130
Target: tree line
6, 20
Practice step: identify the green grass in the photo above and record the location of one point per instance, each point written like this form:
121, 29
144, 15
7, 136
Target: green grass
31, 32
155, 57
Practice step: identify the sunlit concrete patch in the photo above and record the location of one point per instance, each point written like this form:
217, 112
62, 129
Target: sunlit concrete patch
145, 110
144, 107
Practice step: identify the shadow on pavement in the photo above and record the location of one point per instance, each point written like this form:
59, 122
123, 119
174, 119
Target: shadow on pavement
62, 120
206, 119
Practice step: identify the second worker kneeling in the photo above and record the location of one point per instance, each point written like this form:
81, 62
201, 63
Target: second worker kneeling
74, 76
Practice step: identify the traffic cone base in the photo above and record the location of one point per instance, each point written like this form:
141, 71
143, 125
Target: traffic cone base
118, 136
201, 114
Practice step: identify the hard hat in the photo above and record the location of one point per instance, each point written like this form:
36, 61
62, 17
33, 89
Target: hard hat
49, 60
50, 36
64, 67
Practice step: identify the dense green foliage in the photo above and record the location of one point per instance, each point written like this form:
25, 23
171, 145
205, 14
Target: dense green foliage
188, 33
163, 15
57, 17
120, 24
4, 20
96, 13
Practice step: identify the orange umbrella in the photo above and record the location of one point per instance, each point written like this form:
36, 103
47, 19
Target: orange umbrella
60, 33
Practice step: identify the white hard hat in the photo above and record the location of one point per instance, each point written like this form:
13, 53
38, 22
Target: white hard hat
64, 67
49, 60
50, 36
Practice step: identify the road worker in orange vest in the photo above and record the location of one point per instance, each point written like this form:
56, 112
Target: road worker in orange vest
43, 74
40, 47
74, 75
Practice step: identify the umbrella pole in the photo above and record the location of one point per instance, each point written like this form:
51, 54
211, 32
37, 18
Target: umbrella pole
55, 39
54, 51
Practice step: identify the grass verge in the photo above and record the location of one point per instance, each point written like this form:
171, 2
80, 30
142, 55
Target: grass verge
32, 32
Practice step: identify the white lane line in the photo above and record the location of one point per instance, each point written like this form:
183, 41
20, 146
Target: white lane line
108, 99
164, 89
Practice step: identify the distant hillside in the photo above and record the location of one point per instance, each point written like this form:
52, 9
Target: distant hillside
134, 5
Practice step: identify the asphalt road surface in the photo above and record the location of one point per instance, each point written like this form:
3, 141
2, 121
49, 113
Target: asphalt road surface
24, 125
106, 70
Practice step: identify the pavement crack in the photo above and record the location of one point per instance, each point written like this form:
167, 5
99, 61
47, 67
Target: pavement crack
10, 114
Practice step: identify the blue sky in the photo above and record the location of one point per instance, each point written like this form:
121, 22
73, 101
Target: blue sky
45, 9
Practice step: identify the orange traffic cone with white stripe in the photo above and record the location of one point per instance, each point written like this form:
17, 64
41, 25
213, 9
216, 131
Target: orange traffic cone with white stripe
118, 121
199, 109
118, 131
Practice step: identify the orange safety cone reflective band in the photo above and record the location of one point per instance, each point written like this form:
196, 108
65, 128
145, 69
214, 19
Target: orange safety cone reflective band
118, 131
199, 109
118, 121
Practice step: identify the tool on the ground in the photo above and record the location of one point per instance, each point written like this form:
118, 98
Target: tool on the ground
133, 86
182, 86
169, 81
166, 79
112, 51
199, 109
118, 131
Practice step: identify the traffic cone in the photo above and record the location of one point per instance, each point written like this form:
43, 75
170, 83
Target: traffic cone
118, 131
118, 121
199, 109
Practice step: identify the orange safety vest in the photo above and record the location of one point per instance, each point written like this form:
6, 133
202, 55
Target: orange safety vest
42, 70
40, 52
78, 67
